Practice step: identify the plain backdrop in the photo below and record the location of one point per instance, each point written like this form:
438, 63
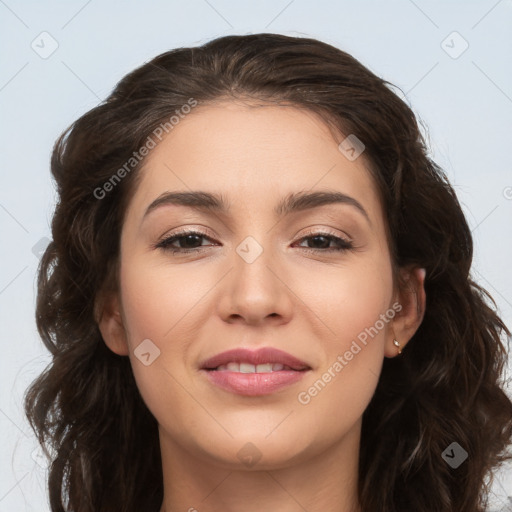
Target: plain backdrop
451, 59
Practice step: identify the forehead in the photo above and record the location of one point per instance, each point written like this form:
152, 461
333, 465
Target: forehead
252, 154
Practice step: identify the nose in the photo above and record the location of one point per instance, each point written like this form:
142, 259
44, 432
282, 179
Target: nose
256, 292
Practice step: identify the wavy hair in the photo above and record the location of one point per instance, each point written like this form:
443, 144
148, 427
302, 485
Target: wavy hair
85, 408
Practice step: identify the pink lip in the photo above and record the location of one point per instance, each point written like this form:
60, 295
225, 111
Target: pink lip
254, 384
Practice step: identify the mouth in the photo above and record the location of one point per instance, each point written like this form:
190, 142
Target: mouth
254, 372
263, 360
252, 368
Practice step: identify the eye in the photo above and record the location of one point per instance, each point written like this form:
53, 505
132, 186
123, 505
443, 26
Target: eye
324, 239
190, 239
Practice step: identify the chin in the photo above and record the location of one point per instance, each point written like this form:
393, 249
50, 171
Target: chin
258, 451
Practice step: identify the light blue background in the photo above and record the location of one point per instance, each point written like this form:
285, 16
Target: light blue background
465, 102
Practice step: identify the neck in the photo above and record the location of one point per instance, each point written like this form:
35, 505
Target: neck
325, 482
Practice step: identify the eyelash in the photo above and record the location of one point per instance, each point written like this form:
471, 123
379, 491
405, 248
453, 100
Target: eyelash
165, 244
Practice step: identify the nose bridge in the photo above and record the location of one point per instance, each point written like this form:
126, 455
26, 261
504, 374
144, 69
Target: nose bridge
255, 292
252, 273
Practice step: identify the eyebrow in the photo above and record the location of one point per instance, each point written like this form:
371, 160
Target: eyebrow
293, 202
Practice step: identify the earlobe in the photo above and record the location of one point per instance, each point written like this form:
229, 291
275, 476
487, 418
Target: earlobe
412, 298
111, 326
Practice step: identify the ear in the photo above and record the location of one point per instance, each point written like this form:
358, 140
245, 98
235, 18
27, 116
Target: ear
110, 323
411, 296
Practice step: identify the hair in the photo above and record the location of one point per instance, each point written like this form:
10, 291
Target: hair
85, 408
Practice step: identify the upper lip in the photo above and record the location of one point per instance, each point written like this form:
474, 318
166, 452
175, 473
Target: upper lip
255, 357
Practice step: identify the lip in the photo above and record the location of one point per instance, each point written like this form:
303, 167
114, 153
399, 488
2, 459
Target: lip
254, 384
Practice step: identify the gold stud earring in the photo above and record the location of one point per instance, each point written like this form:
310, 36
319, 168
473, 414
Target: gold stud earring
397, 344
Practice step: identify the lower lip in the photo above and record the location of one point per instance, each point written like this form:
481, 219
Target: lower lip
254, 384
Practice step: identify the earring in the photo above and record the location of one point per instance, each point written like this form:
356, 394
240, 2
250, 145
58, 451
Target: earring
397, 344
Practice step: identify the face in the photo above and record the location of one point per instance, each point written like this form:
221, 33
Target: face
312, 279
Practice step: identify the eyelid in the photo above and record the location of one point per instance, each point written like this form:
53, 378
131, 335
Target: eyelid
189, 229
327, 231
207, 233
203, 232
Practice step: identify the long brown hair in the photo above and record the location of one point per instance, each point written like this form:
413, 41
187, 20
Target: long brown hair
447, 385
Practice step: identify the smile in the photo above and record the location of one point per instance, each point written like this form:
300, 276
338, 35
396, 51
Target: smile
251, 368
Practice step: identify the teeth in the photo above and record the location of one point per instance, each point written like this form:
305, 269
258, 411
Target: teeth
251, 368
260, 368
247, 368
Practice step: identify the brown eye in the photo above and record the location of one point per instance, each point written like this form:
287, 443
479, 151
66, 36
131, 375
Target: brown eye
322, 241
188, 241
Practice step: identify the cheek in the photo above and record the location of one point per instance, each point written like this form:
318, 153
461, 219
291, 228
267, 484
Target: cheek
348, 299
355, 304
155, 305
168, 305
157, 299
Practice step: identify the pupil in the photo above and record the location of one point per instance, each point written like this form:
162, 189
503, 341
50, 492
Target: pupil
190, 238
321, 237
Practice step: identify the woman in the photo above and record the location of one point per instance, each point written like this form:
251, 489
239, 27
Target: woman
258, 297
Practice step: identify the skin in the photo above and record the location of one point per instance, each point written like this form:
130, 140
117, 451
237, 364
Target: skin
312, 304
